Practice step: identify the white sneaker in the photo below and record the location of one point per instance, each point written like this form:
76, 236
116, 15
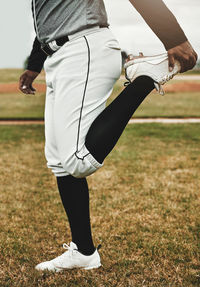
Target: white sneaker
155, 67
71, 258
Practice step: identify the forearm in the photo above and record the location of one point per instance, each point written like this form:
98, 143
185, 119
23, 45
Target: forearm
36, 58
161, 21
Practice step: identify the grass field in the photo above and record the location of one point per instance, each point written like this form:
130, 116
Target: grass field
18, 105
13, 75
173, 105
21, 106
144, 210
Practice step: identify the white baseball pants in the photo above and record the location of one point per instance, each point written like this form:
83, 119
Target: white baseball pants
80, 78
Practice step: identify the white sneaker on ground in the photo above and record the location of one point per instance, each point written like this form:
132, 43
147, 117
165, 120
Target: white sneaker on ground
155, 67
70, 259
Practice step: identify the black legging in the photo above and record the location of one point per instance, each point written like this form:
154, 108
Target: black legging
100, 140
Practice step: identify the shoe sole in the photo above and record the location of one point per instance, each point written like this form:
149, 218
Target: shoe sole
62, 269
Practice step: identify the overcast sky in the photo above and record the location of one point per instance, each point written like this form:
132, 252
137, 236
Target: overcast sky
134, 35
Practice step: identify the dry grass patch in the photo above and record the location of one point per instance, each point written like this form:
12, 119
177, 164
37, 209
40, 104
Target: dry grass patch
144, 210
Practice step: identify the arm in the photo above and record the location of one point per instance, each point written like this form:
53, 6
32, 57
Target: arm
165, 26
34, 67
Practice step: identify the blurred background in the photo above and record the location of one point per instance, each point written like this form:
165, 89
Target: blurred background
134, 35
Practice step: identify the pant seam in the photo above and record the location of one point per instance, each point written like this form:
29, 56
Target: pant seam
81, 158
84, 94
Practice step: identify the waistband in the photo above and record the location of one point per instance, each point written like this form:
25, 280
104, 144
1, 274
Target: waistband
85, 32
51, 47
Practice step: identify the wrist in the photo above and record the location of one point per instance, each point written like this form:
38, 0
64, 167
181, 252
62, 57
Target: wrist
172, 43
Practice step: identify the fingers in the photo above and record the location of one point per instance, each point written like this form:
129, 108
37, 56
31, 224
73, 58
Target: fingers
27, 90
32, 89
191, 62
25, 84
187, 62
171, 61
22, 85
184, 54
195, 55
130, 57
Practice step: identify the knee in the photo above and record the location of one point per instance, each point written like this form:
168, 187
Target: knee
78, 167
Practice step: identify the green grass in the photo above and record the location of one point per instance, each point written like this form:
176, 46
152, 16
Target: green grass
144, 210
22, 106
10, 75
171, 105
193, 72
13, 75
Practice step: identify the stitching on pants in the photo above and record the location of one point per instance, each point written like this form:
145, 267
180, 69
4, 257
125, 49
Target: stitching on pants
84, 94
82, 158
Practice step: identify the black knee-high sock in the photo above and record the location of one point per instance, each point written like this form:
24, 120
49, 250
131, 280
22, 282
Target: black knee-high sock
109, 125
75, 198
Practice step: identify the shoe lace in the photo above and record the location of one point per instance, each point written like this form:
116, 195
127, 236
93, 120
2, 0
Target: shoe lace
68, 253
167, 78
164, 80
68, 248
159, 88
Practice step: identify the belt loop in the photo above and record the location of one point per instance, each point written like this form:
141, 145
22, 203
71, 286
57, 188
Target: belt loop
53, 45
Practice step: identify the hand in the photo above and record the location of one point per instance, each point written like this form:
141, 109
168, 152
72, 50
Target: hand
26, 80
185, 55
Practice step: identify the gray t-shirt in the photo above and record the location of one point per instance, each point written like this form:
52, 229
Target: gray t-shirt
57, 18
